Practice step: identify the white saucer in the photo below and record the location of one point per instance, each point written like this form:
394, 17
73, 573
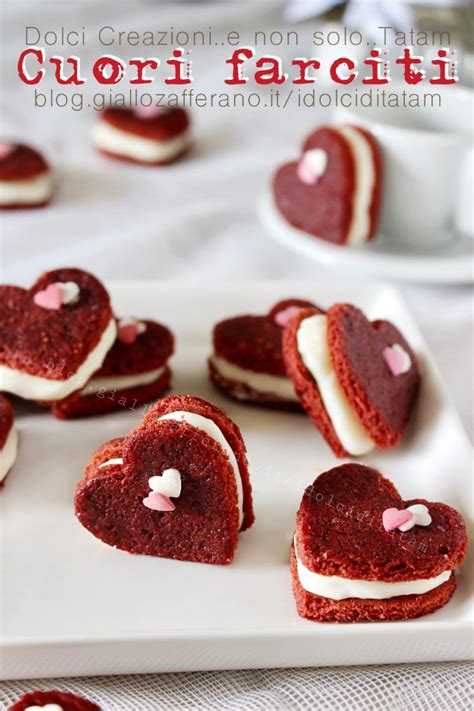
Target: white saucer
449, 264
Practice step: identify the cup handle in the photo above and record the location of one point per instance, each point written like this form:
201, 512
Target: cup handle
464, 210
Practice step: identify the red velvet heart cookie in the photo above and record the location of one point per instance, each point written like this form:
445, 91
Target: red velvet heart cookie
247, 363
334, 190
177, 486
25, 177
8, 439
352, 562
53, 701
358, 380
135, 371
54, 335
145, 135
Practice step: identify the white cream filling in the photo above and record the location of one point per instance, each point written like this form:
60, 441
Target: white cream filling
8, 453
210, 428
336, 588
365, 180
26, 192
260, 382
122, 143
121, 382
313, 348
34, 387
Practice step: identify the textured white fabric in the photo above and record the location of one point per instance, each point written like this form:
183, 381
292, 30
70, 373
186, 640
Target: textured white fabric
406, 687
123, 222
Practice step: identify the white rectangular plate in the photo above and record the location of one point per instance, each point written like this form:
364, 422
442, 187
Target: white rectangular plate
74, 606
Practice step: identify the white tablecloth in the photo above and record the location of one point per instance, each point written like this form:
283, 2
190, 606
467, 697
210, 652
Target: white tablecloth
197, 221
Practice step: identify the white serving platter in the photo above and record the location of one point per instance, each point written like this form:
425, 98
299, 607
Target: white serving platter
449, 263
73, 606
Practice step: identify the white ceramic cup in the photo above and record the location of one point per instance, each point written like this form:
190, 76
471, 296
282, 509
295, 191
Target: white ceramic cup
428, 167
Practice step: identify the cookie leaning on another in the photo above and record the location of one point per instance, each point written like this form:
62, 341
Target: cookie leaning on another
135, 371
358, 380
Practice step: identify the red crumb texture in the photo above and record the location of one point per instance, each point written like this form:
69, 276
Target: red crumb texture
52, 344
382, 402
339, 530
165, 126
204, 525
150, 351
325, 209
305, 385
252, 343
402, 607
6, 420
229, 429
101, 403
68, 702
22, 163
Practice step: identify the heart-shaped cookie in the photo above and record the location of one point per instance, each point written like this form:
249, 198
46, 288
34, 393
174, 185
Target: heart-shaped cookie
54, 335
135, 371
338, 364
247, 363
347, 567
334, 190
25, 177
177, 486
147, 135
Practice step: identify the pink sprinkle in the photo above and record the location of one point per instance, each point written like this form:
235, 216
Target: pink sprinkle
397, 359
283, 318
149, 112
128, 334
305, 174
393, 518
6, 149
50, 298
158, 502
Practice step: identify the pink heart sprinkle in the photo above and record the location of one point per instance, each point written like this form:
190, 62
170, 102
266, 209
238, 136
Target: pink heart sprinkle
282, 318
306, 174
149, 112
128, 334
397, 359
158, 502
393, 518
6, 149
50, 298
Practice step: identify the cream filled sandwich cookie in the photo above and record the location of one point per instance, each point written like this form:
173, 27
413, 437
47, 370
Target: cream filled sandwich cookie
26, 179
146, 135
135, 371
54, 335
361, 553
